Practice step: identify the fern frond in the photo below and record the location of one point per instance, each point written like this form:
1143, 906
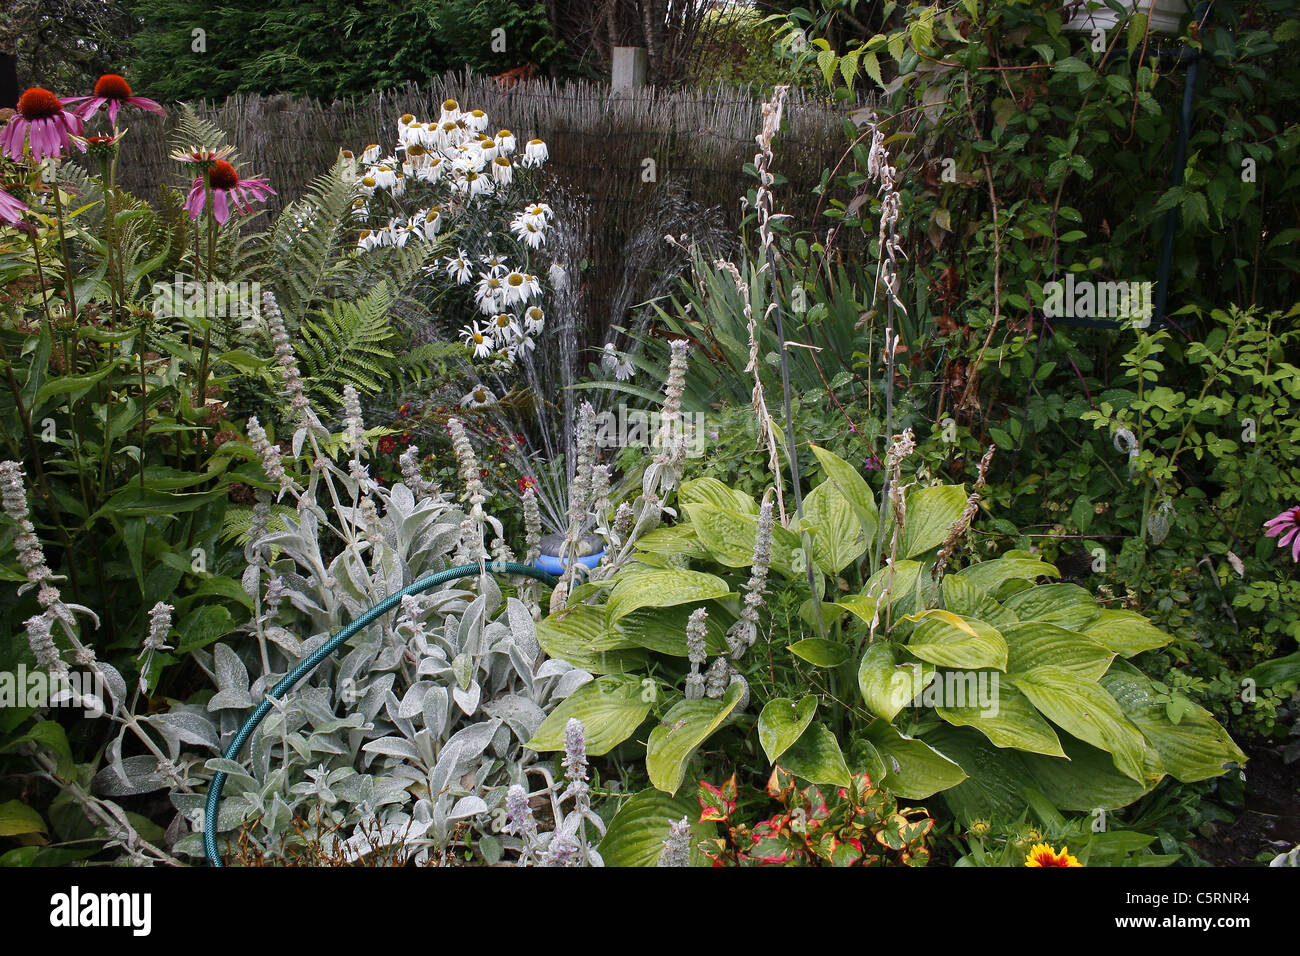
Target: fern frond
344, 343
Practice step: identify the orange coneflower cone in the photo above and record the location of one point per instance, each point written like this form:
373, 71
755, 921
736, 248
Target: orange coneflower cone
1042, 854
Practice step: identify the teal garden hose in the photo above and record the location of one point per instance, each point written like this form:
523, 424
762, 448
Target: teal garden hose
325, 650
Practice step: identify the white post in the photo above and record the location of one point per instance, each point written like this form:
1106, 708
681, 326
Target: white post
630, 67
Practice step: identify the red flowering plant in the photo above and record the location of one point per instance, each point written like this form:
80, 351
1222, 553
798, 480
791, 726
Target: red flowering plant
857, 825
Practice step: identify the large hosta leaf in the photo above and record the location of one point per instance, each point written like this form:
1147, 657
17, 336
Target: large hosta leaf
1126, 632
902, 585
679, 539
1011, 721
1083, 708
610, 708
637, 833
580, 635
782, 722
713, 492
728, 536
1067, 605
913, 768
852, 486
837, 536
821, 652
1084, 780
816, 757
944, 638
887, 686
687, 724
638, 589
988, 575
962, 597
931, 512
1195, 748
663, 629
1036, 644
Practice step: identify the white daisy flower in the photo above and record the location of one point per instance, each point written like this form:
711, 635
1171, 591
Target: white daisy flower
625, 369
522, 345
529, 232
476, 339
534, 320
450, 112
459, 268
535, 153
370, 154
609, 360
491, 290
516, 287
505, 141
476, 120
504, 328
502, 171
478, 397
432, 222
496, 265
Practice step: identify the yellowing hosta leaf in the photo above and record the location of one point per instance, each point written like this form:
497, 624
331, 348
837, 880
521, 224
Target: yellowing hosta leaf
849, 482
837, 536
710, 491
727, 535
1196, 748
943, 638
887, 686
914, 769
610, 708
687, 724
1126, 632
930, 514
782, 722
902, 585
637, 589
1035, 644
987, 575
580, 635
1010, 721
816, 757
1083, 708
861, 606
679, 539
962, 597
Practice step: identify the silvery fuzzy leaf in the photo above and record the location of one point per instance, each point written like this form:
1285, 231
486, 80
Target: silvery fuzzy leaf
284, 640
299, 437
251, 580
404, 726
467, 700
188, 728
553, 667
473, 740
522, 663
413, 699
495, 635
401, 502
133, 776
376, 694
503, 742
389, 657
470, 806
230, 700
433, 665
522, 627
113, 681
231, 672
435, 710
392, 747
522, 715
445, 769
570, 682
324, 744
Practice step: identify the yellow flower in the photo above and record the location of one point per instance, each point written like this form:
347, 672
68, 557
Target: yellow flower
1042, 854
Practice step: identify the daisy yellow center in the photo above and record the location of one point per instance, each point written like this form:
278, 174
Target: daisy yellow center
38, 104
515, 279
368, 182
450, 105
501, 161
223, 175
503, 321
112, 87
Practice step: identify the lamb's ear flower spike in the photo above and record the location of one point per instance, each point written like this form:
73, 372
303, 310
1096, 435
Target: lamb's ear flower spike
677, 848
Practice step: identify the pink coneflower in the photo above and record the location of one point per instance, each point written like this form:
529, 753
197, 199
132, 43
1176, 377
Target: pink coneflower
116, 92
41, 121
11, 210
227, 187
1287, 524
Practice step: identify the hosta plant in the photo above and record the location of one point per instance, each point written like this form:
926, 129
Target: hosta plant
987, 683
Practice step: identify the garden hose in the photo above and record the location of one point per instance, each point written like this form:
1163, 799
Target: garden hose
309, 664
